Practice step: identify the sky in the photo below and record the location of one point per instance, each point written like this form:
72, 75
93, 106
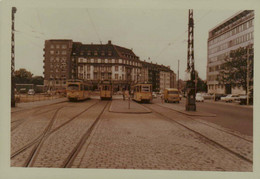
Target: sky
158, 34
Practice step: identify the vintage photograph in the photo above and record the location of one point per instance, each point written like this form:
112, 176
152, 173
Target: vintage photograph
136, 89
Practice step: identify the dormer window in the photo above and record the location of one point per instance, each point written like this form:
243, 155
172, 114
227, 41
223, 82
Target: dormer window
95, 53
89, 52
109, 53
103, 53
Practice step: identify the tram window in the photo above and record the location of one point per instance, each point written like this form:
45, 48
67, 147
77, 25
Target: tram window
73, 87
146, 88
86, 87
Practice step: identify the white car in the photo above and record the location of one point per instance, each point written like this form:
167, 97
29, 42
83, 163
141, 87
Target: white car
31, 92
199, 97
229, 98
154, 95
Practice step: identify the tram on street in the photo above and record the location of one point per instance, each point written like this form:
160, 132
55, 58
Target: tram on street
106, 90
142, 92
78, 90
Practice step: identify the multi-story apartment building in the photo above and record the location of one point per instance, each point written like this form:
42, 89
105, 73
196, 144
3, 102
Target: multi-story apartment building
160, 76
97, 62
58, 66
237, 31
94, 63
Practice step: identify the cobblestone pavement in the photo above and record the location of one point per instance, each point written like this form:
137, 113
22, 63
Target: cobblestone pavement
33, 127
57, 147
131, 141
234, 143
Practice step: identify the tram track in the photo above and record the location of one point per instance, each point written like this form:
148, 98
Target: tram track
204, 123
208, 139
48, 131
69, 161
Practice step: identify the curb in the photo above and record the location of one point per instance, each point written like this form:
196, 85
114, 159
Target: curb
183, 112
38, 106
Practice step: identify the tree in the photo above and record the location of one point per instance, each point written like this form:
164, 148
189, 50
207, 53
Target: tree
37, 80
22, 76
201, 85
234, 70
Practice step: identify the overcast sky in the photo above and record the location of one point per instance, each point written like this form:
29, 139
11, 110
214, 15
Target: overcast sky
158, 34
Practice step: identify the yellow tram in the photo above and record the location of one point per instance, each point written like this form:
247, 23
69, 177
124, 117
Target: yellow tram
105, 90
142, 92
77, 90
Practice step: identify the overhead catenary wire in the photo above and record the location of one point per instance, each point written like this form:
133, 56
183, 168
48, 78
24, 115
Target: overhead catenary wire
94, 27
181, 35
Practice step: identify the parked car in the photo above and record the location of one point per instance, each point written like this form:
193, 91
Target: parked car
229, 98
207, 96
199, 97
31, 92
219, 96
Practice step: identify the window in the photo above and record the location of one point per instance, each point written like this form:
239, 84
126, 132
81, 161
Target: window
52, 52
116, 68
103, 53
57, 52
57, 46
109, 53
102, 60
123, 77
64, 52
109, 60
95, 60
88, 67
116, 60
95, 53
88, 76
64, 46
116, 76
52, 46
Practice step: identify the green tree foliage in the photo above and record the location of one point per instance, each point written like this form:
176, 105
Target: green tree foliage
234, 70
22, 76
201, 85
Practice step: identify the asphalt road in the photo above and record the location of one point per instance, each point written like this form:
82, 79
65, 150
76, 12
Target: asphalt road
229, 115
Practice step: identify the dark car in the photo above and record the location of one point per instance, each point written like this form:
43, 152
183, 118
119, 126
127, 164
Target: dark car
218, 96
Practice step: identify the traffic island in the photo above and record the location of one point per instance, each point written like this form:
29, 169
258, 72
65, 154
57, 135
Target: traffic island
122, 106
182, 110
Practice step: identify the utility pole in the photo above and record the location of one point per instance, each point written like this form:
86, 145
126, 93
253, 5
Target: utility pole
247, 77
178, 83
12, 60
190, 100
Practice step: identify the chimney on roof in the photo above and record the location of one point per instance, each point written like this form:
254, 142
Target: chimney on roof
109, 42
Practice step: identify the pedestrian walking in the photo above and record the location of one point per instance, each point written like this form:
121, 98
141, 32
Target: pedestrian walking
162, 98
123, 94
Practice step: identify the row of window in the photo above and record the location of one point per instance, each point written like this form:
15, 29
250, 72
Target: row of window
216, 86
63, 46
52, 82
58, 52
96, 53
58, 76
236, 41
234, 31
105, 76
58, 59
219, 57
129, 62
106, 68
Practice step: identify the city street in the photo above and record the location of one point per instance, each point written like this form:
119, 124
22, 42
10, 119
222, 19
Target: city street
229, 115
106, 134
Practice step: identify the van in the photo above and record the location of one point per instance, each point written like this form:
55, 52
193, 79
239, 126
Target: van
171, 95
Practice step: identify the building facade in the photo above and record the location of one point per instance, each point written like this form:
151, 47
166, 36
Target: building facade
98, 62
233, 33
58, 66
94, 63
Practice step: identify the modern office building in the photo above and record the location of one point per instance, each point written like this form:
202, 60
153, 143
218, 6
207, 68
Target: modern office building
231, 34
